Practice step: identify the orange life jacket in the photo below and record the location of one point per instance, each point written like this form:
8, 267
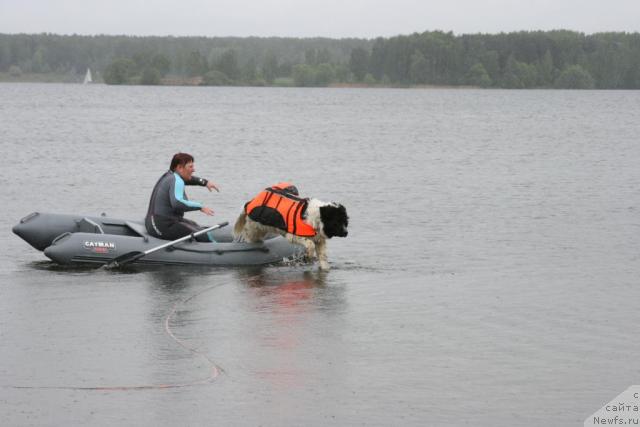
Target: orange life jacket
280, 206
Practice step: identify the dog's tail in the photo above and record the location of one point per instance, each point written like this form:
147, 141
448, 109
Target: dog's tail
239, 226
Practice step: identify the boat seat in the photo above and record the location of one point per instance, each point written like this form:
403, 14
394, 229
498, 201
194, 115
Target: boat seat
137, 228
85, 225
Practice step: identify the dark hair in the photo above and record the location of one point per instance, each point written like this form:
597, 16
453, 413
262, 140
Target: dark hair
180, 159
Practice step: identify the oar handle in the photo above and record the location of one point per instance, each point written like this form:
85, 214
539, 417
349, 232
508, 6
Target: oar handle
135, 255
187, 237
206, 230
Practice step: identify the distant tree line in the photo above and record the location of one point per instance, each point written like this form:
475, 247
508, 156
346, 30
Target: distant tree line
540, 59
562, 59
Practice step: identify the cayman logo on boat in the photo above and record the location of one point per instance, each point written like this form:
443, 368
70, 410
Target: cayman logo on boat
100, 247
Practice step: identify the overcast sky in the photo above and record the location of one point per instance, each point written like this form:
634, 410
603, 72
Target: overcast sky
310, 18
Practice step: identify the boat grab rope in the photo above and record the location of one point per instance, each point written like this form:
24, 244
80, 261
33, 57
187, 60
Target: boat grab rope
221, 251
213, 368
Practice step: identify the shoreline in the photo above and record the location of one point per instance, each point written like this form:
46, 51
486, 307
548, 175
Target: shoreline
176, 81
197, 82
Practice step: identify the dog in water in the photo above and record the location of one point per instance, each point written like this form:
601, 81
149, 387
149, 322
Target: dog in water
308, 222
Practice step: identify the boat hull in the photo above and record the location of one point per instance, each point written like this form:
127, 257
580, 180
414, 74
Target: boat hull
71, 239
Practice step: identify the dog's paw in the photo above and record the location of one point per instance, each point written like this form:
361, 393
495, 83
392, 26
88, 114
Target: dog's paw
324, 265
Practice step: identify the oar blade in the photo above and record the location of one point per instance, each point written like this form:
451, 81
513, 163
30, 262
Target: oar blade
124, 259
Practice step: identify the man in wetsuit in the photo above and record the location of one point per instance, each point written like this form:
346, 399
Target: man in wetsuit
165, 216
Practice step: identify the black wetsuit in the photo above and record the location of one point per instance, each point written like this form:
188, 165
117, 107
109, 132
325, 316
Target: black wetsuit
165, 216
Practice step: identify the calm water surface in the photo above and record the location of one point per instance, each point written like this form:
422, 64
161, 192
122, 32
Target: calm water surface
490, 276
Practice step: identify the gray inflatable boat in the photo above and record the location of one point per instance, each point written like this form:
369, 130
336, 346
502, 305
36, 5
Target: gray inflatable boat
73, 239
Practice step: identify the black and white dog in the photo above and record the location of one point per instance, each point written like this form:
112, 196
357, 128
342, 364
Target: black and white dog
308, 222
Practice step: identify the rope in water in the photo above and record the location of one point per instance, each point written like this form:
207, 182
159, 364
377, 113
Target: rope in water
214, 369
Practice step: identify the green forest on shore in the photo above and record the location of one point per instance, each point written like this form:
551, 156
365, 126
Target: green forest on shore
518, 60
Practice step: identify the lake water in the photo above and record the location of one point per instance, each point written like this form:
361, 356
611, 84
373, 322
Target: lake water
490, 276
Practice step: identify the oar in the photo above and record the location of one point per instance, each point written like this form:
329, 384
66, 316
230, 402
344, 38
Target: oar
135, 255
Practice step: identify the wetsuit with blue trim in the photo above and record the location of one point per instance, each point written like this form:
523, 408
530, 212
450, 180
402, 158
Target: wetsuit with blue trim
165, 216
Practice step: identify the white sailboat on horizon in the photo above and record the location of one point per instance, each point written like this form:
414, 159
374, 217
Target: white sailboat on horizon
87, 77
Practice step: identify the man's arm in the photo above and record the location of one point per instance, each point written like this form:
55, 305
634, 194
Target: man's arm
177, 199
196, 181
203, 182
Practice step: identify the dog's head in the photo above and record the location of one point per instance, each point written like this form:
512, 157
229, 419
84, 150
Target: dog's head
334, 220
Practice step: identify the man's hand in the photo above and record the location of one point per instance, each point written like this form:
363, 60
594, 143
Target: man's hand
207, 211
211, 186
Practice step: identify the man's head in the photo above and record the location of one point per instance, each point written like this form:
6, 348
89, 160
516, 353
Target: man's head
182, 164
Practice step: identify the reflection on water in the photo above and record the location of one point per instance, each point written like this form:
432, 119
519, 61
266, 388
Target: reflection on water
292, 290
285, 295
46, 265
267, 279
291, 313
171, 280
255, 323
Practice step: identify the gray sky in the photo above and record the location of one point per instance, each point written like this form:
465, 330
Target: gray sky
309, 18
